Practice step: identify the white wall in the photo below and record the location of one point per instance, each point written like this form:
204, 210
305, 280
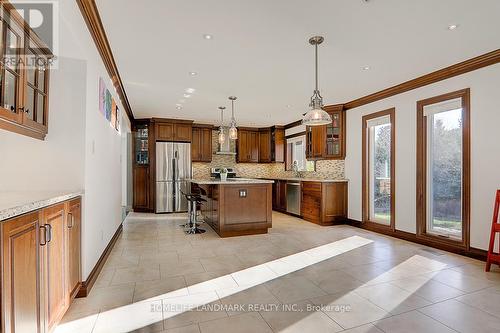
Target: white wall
485, 153
81, 151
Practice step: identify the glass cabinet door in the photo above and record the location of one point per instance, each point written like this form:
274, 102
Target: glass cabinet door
10, 77
333, 143
141, 141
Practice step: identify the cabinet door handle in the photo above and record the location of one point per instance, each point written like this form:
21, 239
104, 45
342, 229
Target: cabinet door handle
43, 241
49, 233
72, 220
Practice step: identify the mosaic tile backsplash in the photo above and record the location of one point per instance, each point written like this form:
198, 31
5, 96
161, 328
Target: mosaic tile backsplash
329, 169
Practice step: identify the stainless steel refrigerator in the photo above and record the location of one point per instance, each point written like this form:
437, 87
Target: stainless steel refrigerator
173, 169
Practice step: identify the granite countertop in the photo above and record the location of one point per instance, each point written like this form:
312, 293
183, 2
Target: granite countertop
231, 181
311, 179
16, 203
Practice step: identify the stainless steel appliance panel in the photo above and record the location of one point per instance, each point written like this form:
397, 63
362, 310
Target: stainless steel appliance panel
182, 157
164, 159
293, 197
165, 198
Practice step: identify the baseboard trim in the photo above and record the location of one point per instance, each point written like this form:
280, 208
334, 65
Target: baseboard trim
87, 285
408, 236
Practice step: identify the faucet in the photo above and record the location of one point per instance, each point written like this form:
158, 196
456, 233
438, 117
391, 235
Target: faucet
295, 169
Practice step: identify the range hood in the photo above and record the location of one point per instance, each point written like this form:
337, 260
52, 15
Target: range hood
225, 148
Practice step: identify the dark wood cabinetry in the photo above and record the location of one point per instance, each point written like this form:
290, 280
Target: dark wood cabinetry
41, 265
279, 195
201, 144
144, 164
173, 130
324, 203
272, 144
247, 146
328, 141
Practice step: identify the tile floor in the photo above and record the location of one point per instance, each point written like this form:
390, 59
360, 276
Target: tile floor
299, 277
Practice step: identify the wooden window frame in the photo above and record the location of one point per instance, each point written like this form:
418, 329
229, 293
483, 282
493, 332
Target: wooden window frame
365, 171
421, 194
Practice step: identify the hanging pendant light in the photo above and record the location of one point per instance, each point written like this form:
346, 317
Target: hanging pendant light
316, 116
233, 131
222, 136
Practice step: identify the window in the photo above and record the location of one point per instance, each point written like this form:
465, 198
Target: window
296, 155
443, 168
378, 169
24, 77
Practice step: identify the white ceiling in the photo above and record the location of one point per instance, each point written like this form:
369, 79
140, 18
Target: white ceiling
260, 51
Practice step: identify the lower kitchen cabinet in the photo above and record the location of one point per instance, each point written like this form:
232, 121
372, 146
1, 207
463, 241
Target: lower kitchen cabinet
324, 203
40, 267
279, 195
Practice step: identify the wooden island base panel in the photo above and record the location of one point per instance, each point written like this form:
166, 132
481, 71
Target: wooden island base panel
237, 207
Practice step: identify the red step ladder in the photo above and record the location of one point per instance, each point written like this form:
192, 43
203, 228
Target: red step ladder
493, 257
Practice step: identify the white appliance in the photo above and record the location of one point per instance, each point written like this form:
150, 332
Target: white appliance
173, 171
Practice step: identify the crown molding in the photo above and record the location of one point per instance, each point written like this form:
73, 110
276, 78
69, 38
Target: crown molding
92, 18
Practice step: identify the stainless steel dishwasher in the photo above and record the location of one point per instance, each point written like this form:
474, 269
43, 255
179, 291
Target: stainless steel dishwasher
293, 197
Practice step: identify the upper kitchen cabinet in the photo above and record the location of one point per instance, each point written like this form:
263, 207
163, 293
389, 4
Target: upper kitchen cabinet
24, 77
272, 144
247, 147
173, 130
201, 143
328, 141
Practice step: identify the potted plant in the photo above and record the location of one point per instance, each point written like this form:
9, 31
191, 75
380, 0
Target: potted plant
223, 174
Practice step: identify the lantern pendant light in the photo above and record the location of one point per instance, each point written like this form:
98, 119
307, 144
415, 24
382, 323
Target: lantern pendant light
233, 131
316, 116
222, 136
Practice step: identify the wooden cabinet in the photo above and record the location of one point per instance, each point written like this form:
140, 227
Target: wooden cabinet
142, 200
41, 265
247, 147
328, 141
22, 310
73, 239
24, 92
279, 195
324, 203
201, 144
54, 266
167, 130
272, 144
143, 168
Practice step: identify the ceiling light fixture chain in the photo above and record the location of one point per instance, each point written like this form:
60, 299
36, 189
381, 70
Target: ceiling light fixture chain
316, 116
222, 135
233, 131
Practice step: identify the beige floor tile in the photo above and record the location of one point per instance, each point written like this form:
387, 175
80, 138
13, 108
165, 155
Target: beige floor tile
185, 329
414, 322
227, 263
104, 298
136, 274
174, 286
240, 299
487, 300
209, 281
368, 328
294, 289
427, 288
460, 281
462, 317
243, 323
205, 312
181, 268
350, 310
300, 319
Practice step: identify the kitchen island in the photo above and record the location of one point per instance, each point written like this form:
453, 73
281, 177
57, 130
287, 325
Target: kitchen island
237, 206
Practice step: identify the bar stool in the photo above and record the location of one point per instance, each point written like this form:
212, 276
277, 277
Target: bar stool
195, 201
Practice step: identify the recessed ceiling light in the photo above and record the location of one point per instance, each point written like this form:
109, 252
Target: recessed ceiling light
207, 36
366, 68
178, 107
288, 106
190, 90
187, 95
452, 26
193, 73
